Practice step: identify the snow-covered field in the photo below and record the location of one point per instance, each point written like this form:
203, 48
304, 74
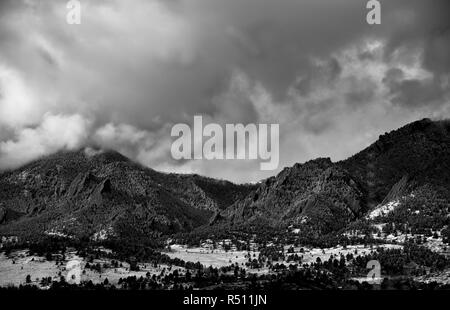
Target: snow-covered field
434, 244
219, 258
310, 255
14, 271
73, 269
207, 257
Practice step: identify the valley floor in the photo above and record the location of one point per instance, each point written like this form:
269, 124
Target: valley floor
15, 267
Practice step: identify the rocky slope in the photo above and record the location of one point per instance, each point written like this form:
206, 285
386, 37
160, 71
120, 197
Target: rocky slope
74, 193
414, 155
327, 195
87, 194
317, 192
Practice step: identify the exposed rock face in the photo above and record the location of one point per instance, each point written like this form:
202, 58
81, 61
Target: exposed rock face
217, 217
81, 182
83, 194
420, 150
398, 190
329, 195
105, 187
317, 191
2, 215
7, 215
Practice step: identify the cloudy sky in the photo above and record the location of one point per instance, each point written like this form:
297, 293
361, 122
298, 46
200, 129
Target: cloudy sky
132, 69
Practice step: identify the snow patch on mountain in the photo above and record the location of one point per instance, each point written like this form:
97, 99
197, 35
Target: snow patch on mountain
383, 210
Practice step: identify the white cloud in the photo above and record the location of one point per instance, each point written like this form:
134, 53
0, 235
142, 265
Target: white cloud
18, 105
56, 132
135, 68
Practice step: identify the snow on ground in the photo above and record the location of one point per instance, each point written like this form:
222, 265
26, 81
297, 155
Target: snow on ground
437, 245
102, 234
207, 257
114, 274
370, 280
440, 277
310, 255
15, 270
55, 233
382, 210
73, 269
379, 227
220, 258
434, 244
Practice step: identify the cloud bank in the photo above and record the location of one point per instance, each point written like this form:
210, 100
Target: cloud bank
131, 70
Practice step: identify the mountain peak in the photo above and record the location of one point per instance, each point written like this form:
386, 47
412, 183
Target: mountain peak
409, 150
100, 188
105, 155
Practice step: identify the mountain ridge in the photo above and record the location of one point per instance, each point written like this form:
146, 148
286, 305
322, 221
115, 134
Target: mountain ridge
394, 165
99, 189
81, 193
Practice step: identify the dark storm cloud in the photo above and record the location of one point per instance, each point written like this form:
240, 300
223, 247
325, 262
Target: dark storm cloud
132, 69
326, 73
416, 93
437, 50
424, 23
363, 92
430, 31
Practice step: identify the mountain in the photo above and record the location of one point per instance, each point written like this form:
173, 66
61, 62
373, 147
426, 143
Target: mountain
93, 194
414, 155
327, 196
317, 191
84, 193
